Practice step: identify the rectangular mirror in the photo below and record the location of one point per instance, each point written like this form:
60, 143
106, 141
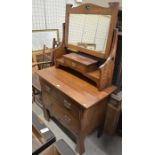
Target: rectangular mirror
44, 37
89, 31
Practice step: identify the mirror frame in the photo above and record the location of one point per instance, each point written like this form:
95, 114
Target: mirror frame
89, 8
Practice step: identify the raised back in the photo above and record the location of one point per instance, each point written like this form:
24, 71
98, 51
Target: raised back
93, 28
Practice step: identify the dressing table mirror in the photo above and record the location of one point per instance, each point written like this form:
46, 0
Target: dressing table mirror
89, 42
88, 31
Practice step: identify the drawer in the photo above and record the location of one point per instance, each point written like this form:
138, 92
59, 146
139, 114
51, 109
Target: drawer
50, 94
68, 107
46, 99
67, 104
65, 118
74, 65
45, 86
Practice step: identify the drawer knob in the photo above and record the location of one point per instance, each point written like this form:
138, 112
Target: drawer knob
67, 104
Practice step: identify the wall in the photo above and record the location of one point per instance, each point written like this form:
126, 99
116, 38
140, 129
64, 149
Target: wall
46, 14
102, 2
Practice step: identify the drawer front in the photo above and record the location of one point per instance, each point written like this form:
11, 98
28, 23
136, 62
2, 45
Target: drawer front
56, 96
46, 99
65, 118
74, 65
46, 86
67, 104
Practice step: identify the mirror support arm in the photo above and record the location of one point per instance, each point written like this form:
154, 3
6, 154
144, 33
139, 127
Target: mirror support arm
58, 52
106, 70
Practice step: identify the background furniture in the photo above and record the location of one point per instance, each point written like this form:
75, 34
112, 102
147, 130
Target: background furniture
43, 42
44, 37
113, 112
58, 148
44, 141
42, 137
41, 60
117, 77
44, 61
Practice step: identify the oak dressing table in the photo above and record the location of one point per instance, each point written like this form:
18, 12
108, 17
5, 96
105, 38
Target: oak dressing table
75, 91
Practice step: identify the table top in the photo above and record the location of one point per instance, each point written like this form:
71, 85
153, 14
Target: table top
74, 87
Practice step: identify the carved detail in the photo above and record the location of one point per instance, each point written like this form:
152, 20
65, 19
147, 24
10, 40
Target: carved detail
87, 7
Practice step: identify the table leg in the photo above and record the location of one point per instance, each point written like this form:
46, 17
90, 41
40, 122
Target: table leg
80, 148
46, 114
99, 132
33, 94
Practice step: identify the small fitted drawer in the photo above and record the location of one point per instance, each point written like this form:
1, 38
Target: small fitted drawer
74, 65
65, 118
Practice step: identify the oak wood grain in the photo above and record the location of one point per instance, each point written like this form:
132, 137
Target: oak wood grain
79, 90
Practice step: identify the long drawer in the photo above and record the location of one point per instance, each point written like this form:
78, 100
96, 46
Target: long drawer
65, 118
52, 95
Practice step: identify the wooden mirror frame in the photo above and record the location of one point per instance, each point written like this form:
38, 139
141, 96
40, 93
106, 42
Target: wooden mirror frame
89, 8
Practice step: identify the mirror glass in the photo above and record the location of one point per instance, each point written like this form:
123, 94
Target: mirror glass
43, 37
89, 31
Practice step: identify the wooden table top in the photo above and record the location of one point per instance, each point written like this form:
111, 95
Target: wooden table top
77, 89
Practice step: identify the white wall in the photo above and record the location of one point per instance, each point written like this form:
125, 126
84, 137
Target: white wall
102, 2
46, 14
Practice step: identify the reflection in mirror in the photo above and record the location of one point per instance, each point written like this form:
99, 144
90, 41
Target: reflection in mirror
89, 31
43, 37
